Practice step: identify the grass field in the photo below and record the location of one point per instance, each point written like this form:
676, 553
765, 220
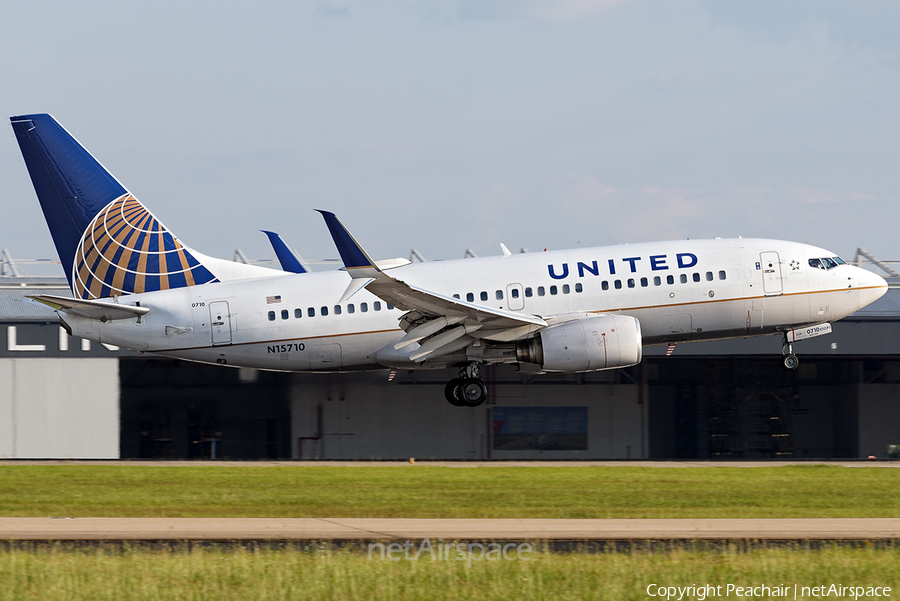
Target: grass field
222, 575
422, 491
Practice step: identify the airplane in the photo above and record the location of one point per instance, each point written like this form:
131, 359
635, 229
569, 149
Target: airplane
138, 286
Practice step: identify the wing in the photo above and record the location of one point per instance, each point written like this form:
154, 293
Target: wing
429, 314
90, 308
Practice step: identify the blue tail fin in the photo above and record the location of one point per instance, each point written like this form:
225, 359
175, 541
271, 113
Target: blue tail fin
108, 242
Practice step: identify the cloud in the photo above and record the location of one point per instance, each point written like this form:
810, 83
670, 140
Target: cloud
330, 11
567, 10
538, 10
807, 195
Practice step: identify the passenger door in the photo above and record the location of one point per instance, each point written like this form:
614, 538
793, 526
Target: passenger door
771, 268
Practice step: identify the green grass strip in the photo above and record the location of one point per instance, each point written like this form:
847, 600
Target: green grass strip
98, 575
423, 491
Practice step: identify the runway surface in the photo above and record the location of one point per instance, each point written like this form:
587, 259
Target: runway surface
362, 529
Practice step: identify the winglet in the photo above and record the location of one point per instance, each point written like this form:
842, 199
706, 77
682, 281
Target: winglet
356, 260
289, 259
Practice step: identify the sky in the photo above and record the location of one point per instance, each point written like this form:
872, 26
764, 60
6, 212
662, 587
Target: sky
443, 125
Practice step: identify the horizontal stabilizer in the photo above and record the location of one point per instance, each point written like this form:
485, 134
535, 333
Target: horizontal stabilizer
90, 308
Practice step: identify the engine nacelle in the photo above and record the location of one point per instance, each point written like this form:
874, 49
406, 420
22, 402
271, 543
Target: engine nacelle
588, 344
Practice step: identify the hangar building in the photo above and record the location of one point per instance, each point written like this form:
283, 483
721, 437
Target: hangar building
61, 397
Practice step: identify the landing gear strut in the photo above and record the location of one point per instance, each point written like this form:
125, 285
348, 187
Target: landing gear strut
789, 360
467, 389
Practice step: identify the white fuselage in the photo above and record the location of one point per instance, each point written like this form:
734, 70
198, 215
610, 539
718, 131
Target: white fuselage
679, 291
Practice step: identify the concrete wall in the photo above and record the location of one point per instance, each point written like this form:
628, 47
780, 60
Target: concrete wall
364, 417
59, 408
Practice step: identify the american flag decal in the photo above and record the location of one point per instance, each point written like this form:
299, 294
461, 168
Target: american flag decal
271, 300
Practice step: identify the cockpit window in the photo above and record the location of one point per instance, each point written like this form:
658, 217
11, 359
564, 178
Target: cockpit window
826, 262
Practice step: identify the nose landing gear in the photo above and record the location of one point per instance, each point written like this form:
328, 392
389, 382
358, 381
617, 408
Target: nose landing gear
467, 389
789, 360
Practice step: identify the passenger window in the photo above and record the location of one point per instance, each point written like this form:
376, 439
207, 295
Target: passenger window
470, 297
541, 291
364, 307
657, 281
644, 283
377, 305
455, 296
684, 278
483, 295
389, 306
514, 293
271, 315
553, 290
337, 309
670, 279
285, 314
298, 313
566, 288
604, 285
351, 308
323, 311
618, 284
528, 293
499, 295
578, 287
311, 312
722, 274
631, 282
696, 277
709, 276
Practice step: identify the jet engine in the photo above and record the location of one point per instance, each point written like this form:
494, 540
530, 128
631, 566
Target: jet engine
586, 344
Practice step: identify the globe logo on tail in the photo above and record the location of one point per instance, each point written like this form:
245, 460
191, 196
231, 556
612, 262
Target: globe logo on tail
125, 250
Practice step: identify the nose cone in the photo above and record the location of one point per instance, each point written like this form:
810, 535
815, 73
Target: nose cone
871, 287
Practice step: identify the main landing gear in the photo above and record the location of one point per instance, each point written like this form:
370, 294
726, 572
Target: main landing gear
789, 360
467, 389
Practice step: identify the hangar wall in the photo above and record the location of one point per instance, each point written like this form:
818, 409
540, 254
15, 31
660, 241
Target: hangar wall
361, 416
879, 418
53, 408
